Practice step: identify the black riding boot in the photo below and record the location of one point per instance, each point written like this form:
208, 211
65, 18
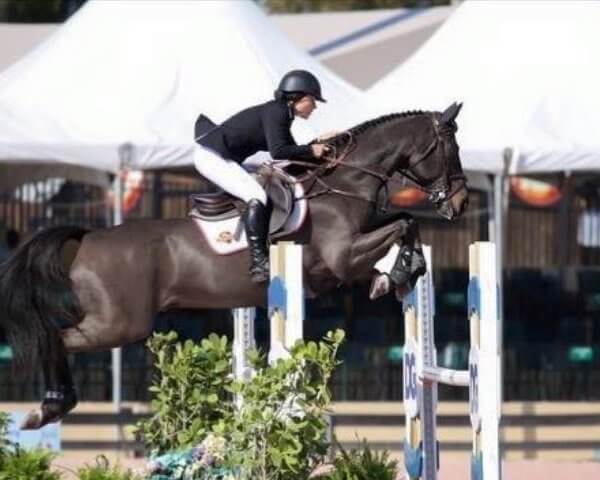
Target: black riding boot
256, 221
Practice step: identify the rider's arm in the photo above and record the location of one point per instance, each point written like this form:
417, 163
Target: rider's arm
279, 138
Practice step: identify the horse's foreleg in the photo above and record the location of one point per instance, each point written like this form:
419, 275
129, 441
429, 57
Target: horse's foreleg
352, 256
368, 248
373, 246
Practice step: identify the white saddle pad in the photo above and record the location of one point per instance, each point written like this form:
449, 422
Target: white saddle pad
228, 236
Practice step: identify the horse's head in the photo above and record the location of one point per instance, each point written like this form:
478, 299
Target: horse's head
421, 146
435, 166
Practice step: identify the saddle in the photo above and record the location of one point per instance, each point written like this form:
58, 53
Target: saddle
219, 205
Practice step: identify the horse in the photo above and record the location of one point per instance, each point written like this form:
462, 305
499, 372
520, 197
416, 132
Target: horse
72, 290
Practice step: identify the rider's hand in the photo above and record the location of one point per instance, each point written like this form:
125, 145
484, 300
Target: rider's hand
319, 149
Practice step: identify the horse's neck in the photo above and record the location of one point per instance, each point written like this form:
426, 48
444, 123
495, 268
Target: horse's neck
380, 150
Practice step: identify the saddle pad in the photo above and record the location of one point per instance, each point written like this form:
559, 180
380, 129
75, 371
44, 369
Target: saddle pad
227, 236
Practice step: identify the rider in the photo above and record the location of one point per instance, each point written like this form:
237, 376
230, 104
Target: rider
264, 127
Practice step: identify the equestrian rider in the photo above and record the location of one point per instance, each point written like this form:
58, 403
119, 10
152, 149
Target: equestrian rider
265, 127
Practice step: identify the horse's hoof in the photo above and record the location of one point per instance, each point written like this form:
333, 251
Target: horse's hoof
53, 409
402, 292
33, 420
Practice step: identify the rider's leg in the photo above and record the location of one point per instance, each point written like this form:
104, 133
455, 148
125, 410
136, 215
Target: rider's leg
232, 178
256, 221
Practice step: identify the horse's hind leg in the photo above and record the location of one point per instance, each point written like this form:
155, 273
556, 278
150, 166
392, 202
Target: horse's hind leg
91, 334
119, 309
60, 397
107, 324
109, 329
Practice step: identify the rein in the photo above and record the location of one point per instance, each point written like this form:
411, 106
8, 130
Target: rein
437, 192
334, 159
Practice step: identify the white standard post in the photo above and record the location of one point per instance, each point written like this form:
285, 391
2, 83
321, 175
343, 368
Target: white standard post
286, 298
485, 359
243, 341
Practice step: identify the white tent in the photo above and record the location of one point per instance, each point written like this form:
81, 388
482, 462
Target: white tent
515, 65
563, 133
363, 45
139, 71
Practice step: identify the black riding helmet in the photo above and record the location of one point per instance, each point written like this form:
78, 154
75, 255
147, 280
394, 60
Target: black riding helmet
300, 81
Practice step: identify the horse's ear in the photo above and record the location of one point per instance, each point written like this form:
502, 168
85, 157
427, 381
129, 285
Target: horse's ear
451, 113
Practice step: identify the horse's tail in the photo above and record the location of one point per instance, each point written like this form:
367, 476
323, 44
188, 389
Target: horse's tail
37, 299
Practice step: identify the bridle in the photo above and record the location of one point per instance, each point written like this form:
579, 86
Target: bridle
440, 189
437, 191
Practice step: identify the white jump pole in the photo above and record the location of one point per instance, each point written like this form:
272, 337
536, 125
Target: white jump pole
286, 311
485, 362
243, 341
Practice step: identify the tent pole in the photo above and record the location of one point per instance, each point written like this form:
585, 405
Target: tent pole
491, 209
116, 352
499, 180
501, 196
125, 153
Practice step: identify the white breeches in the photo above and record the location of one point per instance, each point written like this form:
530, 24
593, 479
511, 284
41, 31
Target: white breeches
228, 175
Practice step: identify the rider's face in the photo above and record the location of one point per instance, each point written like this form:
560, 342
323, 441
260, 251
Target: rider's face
305, 106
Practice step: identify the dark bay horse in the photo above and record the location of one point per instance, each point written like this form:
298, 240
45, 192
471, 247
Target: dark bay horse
71, 290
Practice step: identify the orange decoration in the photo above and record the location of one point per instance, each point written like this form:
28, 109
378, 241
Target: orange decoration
408, 197
535, 192
133, 187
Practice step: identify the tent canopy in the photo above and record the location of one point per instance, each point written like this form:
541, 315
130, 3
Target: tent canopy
527, 73
140, 71
363, 45
563, 133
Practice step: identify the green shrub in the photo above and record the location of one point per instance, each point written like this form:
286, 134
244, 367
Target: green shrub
21, 464
192, 392
362, 464
4, 443
280, 431
103, 471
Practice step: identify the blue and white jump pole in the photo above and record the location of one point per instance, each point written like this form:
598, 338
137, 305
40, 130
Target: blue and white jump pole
421, 373
286, 311
286, 299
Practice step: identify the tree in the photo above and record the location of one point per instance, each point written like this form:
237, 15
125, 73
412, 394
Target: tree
298, 6
38, 11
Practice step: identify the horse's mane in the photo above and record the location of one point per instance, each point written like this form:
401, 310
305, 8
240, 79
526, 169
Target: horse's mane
361, 128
